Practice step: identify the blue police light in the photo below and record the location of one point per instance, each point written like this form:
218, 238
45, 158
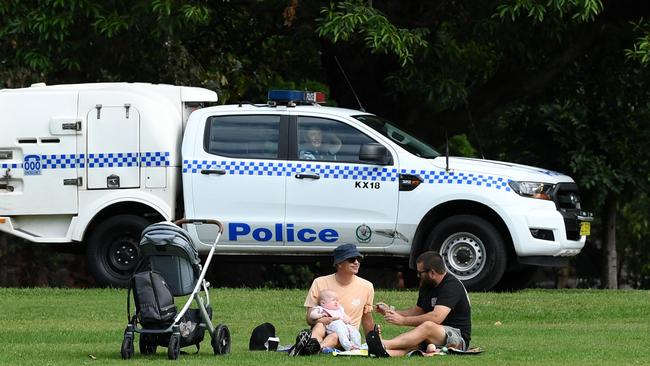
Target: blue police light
295, 97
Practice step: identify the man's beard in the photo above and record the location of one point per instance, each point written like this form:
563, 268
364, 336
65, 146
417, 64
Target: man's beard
428, 283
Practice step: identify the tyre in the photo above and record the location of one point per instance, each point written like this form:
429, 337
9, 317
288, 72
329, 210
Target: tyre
148, 344
112, 249
221, 340
127, 346
472, 250
174, 348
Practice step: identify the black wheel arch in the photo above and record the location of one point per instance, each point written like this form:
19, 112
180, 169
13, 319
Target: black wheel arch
459, 207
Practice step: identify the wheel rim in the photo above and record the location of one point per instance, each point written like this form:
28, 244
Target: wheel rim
464, 255
123, 254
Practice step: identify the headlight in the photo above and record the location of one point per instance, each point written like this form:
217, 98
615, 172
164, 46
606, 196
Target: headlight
538, 190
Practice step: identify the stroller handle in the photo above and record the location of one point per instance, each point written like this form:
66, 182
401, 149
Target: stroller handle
200, 221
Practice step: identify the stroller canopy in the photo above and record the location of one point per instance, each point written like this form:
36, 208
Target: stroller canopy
169, 250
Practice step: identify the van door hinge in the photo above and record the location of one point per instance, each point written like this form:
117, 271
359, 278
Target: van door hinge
73, 182
127, 106
6, 178
74, 126
99, 110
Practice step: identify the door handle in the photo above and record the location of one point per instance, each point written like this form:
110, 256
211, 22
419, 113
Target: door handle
213, 171
307, 176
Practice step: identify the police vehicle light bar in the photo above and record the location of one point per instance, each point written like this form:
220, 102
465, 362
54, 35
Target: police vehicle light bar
295, 97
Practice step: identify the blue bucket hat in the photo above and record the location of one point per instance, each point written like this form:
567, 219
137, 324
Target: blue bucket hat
345, 251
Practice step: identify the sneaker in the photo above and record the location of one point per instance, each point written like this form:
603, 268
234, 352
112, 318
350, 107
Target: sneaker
375, 346
305, 345
301, 342
311, 348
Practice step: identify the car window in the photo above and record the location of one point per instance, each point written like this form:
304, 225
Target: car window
328, 140
251, 136
398, 136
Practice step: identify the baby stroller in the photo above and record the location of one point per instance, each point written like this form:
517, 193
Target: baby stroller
169, 266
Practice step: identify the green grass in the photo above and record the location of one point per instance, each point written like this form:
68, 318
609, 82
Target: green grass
42, 326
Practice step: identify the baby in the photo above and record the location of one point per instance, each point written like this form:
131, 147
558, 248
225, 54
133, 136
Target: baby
349, 336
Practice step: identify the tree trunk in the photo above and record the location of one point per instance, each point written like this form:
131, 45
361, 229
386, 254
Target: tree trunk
610, 258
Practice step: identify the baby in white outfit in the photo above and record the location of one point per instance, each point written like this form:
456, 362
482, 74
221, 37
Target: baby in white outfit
349, 336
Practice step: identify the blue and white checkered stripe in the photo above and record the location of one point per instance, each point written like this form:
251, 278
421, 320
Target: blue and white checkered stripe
549, 172
101, 160
156, 158
111, 160
347, 172
444, 177
62, 161
54, 161
277, 169
353, 172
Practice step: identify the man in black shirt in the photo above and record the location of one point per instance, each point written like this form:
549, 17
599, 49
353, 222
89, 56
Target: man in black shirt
442, 315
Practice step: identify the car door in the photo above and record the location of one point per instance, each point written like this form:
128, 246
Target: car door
237, 177
113, 159
332, 196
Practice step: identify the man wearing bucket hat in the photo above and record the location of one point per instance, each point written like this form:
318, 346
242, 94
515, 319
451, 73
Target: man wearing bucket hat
356, 295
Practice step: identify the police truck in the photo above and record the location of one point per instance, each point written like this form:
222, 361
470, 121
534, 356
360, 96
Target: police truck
93, 164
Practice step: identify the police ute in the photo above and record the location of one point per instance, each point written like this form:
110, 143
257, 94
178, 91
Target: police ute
93, 164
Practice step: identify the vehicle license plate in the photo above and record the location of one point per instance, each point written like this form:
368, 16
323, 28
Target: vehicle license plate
585, 228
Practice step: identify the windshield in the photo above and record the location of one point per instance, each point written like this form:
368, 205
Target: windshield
403, 139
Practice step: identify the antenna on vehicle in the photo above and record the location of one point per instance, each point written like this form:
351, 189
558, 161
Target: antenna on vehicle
349, 84
473, 128
446, 151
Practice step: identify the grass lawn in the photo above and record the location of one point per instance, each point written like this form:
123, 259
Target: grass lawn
42, 326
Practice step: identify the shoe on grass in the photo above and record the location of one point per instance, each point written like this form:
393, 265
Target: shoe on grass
375, 347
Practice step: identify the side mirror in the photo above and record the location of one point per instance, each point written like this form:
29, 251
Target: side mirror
375, 153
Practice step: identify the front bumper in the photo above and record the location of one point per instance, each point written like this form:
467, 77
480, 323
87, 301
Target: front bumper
564, 225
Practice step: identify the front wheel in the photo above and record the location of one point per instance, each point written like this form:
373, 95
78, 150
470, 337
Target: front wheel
472, 250
174, 348
112, 250
127, 346
221, 340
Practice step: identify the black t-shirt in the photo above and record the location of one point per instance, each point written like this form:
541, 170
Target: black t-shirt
451, 293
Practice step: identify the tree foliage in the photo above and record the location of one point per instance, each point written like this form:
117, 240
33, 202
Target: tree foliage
353, 18
553, 83
237, 48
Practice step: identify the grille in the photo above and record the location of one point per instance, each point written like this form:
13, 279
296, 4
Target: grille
566, 196
567, 201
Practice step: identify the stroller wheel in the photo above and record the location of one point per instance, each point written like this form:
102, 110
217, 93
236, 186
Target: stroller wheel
221, 340
148, 344
174, 349
127, 346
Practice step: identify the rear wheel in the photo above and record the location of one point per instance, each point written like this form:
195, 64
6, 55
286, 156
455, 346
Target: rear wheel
112, 250
221, 340
472, 250
148, 344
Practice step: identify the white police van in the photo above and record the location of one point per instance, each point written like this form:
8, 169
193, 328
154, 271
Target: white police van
96, 163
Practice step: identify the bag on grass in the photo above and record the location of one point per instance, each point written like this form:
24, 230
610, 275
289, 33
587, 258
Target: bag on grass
260, 336
154, 302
